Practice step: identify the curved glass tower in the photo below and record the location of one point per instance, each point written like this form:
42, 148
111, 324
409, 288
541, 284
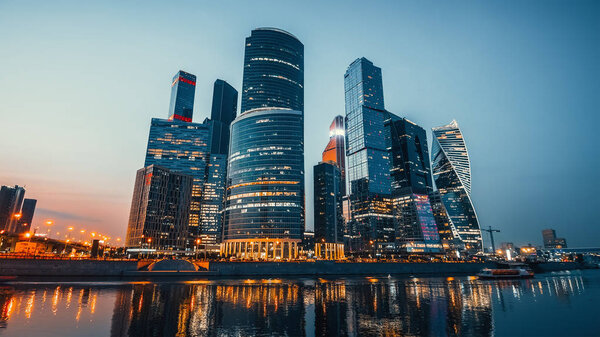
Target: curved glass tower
273, 71
452, 175
264, 204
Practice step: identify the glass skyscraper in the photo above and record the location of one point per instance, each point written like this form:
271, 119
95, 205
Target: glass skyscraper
273, 71
452, 176
368, 168
27, 212
11, 199
224, 110
416, 229
329, 225
264, 205
185, 148
159, 209
335, 151
183, 89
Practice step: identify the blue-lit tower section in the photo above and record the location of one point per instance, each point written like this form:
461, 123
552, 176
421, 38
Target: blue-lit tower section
368, 170
273, 71
183, 89
452, 176
264, 205
416, 229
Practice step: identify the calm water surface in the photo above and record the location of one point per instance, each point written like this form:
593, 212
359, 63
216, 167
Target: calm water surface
566, 304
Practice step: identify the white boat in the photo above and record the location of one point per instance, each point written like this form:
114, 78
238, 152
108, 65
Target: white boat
506, 271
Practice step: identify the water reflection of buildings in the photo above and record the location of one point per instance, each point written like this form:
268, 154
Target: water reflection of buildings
352, 307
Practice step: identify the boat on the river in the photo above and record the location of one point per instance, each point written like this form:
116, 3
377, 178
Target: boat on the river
506, 271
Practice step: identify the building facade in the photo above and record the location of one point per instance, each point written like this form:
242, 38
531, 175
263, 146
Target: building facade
328, 218
452, 176
223, 112
368, 170
411, 184
183, 147
26, 219
183, 89
159, 210
264, 205
273, 71
11, 199
335, 151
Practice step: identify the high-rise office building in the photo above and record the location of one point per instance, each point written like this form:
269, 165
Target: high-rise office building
328, 219
448, 235
551, 241
410, 172
224, 110
368, 170
452, 176
11, 199
26, 219
273, 71
264, 205
183, 89
335, 151
184, 148
159, 209
409, 156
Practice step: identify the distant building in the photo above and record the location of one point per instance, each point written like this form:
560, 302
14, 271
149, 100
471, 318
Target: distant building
183, 89
26, 219
273, 71
368, 170
551, 241
452, 175
449, 237
159, 209
11, 199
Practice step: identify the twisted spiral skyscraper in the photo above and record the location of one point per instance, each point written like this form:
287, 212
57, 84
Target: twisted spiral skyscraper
452, 175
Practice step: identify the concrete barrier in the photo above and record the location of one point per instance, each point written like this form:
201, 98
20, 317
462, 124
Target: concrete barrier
43, 267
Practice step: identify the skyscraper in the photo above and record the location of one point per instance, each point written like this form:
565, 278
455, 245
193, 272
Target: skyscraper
183, 89
26, 219
184, 148
264, 205
11, 199
368, 168
328, 219
273, 71
452, 176
416, 229
335, 150
159, 209
224, 110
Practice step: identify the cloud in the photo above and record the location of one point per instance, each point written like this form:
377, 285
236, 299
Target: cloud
64, 215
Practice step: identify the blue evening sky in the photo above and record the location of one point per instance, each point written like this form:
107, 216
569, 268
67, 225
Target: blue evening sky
80, 81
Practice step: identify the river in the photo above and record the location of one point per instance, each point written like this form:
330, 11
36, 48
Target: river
553, 304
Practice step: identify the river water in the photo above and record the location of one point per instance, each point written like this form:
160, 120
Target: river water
554, 304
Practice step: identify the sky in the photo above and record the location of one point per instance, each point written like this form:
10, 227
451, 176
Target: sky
80, 81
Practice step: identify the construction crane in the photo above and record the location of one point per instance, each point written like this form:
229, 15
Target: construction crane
491, 231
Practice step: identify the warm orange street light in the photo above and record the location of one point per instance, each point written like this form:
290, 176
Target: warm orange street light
149, 240
93, 234
28, 235
18, 215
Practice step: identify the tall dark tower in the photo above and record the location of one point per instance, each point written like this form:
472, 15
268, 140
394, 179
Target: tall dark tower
183, 89
224, 110
273, 71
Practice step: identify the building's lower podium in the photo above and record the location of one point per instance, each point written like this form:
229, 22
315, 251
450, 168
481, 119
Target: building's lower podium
261, 249
329, 251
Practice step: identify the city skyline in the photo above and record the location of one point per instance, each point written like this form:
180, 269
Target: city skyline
150, 88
